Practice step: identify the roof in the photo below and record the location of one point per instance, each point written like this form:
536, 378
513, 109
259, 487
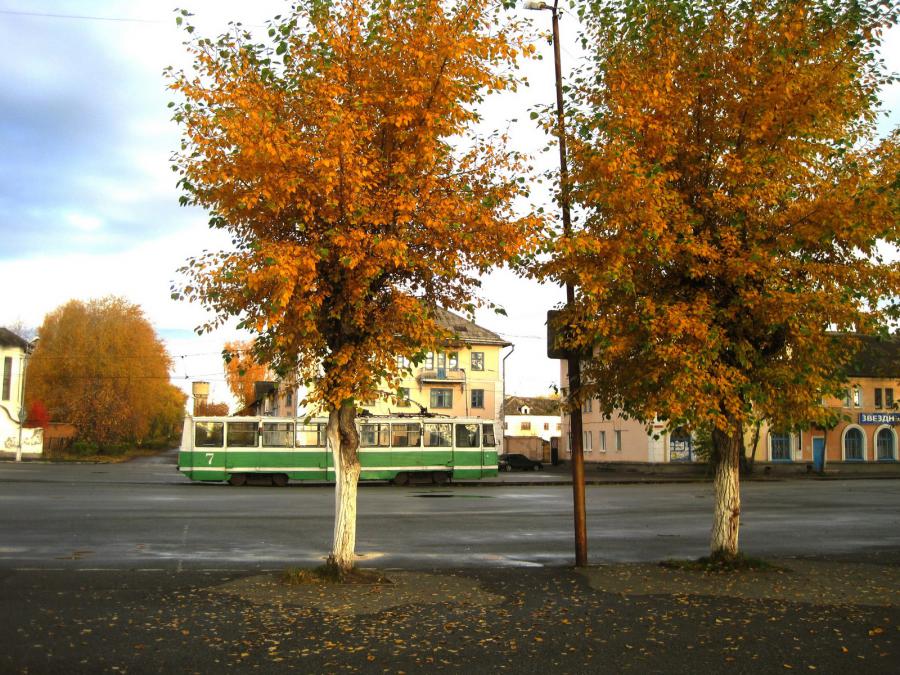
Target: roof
467, 331
875, 357
10, 339
537, 405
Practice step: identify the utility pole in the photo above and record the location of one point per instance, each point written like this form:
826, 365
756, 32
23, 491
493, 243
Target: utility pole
572, 358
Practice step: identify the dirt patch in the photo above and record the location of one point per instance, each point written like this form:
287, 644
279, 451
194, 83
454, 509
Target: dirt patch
402, 588
809, 581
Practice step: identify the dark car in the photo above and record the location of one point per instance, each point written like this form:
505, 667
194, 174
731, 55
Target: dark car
509, 462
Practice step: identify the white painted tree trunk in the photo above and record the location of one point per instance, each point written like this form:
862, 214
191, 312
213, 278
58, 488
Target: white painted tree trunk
727, 491
344, 443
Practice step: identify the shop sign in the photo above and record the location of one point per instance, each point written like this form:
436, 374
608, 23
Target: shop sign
879, 418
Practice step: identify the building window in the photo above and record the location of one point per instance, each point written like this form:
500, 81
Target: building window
618, 440
403, 397
877, 397
477, 360
885, 445
569, 442
781, 447
857, 397
559, 426
478, 398
889, 397
588, 442
441, 398
854, 443
429, 361
441, 361
402, 362
546, 426
846, 398
453, 360
7, 377
289, 398
602, 441
525, 426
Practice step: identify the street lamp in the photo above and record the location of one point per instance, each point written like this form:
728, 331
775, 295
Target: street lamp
572, 358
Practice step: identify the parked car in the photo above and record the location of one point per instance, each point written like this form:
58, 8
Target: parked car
508, 462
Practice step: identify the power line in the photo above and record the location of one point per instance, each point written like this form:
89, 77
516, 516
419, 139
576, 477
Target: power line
83, 17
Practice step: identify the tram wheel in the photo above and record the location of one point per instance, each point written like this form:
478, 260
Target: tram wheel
401, 478
279, 479
440, 477
237, 479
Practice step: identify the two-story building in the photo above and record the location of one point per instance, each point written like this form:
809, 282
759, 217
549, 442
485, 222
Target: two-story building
13, 358
526, 416
867, 430
869, 413
463, 378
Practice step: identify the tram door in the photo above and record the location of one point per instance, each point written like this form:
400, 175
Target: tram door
488, 448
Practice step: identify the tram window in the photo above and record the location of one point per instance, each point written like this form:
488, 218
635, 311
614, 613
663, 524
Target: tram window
487, 439
406, 435
467, 436
278, 434
241, 434
438, 436
209, 434
375, 435
310, 435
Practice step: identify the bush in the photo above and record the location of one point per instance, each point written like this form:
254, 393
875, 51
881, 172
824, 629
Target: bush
83, 448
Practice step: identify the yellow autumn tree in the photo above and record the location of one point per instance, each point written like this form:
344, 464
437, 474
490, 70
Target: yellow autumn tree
100, 366
242, 372
341, 158
736, 202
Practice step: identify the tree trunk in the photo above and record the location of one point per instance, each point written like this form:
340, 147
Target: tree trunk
344, 441
726, 484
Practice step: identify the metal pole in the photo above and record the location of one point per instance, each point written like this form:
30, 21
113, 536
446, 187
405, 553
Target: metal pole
574, 362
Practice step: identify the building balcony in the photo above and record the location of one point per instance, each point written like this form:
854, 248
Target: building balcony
442, 376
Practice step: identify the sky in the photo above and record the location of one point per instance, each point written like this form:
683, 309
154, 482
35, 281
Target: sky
88, 201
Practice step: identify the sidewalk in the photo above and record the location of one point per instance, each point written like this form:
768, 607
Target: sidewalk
611, 473
824, 616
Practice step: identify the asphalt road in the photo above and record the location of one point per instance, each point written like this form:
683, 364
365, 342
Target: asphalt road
144, 516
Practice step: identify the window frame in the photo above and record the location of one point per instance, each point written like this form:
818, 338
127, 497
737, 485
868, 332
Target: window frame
289, 430
475, 404
785, 442
221, 426
382, 435
476, 361
241, 428
862, 446
433, 401
892, 435
444, 431
6, 394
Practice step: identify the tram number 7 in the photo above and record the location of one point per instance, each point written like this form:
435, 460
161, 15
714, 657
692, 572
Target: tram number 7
209, 457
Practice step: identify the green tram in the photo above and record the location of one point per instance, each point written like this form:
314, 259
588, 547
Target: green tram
279, 449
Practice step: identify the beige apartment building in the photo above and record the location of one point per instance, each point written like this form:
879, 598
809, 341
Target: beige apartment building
462, 379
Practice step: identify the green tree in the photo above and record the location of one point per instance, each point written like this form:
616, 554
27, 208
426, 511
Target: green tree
735, 202
100, 366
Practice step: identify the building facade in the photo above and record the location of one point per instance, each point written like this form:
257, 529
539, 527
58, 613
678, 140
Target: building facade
867, 431
525, 416
13, 359
464, 379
